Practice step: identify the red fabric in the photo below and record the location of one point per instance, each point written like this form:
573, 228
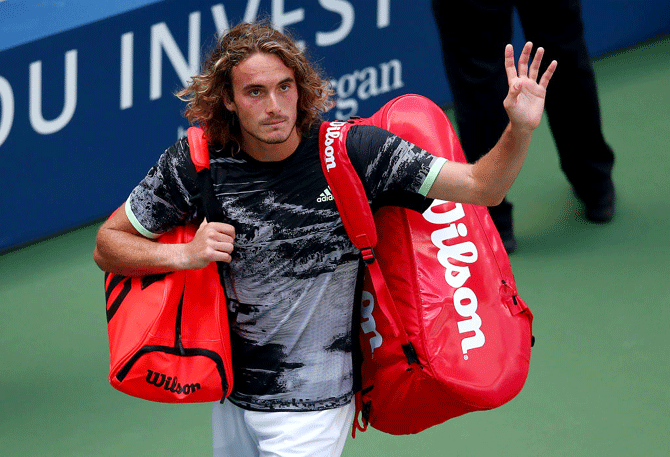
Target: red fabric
451, 285
169, 339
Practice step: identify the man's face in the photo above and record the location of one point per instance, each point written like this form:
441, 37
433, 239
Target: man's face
265, 100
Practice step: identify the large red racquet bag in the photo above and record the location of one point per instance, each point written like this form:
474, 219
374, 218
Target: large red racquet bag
169, 339
443, 330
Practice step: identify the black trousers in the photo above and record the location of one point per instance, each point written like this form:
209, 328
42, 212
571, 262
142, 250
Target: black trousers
473, 36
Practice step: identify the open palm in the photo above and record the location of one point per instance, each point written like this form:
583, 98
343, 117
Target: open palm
525, 100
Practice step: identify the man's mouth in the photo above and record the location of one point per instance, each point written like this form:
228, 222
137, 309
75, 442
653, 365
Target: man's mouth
275, 121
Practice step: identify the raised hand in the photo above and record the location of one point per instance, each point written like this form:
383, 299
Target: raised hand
525, 100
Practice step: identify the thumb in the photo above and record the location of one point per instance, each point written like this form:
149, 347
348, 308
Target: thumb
203, 223
515, 87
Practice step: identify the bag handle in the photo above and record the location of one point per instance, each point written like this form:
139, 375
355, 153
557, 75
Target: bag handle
199, 151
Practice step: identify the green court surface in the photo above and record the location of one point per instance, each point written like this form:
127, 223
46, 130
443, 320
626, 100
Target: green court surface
599, 381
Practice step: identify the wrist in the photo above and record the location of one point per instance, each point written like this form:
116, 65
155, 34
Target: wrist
181, 256
519, 130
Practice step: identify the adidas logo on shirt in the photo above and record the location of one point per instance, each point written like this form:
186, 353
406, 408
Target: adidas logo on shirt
325, 196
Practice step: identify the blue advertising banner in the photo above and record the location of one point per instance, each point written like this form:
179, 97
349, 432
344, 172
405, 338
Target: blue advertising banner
85, 113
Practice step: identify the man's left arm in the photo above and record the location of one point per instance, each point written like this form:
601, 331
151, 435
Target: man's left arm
487, 181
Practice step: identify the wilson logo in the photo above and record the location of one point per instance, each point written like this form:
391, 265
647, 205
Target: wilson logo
368, 321
332, 133
455, 259
170, 383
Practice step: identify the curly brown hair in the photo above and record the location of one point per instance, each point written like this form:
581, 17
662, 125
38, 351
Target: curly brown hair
206, 93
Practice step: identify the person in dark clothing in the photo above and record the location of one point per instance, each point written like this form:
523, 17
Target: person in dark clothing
472, 34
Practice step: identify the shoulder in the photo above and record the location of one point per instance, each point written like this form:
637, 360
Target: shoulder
180, 149
368, 139
312, 134
176, 160
369, 133
174, 170
365, 143
164, 198
310, 138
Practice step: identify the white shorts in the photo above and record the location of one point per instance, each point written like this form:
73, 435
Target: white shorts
237, 432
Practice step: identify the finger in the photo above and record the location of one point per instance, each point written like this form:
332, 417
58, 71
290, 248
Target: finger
212, 247
549, 72
223, 257
221, 252
223, 228
219, 237
535, 65
524, 58
223, 246
510, 69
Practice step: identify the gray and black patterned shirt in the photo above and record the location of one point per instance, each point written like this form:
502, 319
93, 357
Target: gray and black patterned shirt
291, 283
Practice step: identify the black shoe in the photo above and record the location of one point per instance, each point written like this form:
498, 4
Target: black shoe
502, 218
600, 214
509, 241
601, 211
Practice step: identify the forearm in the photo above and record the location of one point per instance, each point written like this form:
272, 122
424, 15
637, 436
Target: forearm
494, 173
134, 255
487, 181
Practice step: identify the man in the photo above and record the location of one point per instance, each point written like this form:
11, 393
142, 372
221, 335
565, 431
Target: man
471, 34
292, 270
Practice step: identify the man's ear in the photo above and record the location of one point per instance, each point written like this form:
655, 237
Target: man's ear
229, 104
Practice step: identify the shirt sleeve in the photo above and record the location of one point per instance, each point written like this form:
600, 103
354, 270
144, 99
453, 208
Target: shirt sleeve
164, 198
393, 171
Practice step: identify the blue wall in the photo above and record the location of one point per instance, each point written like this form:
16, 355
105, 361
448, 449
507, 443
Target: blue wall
86, 112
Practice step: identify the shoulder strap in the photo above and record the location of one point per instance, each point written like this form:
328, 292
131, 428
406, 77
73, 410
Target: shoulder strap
346, 186
199, 150
352, 203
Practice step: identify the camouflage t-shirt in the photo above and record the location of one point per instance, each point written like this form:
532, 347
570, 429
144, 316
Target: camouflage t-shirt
292, 281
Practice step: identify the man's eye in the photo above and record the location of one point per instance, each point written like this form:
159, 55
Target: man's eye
254, 92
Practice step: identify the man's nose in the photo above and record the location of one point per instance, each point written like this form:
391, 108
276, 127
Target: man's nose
272, 105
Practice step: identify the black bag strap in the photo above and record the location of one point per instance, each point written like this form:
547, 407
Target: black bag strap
199, 150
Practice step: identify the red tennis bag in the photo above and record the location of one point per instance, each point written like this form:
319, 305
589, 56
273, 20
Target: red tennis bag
168, 333
443, 330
